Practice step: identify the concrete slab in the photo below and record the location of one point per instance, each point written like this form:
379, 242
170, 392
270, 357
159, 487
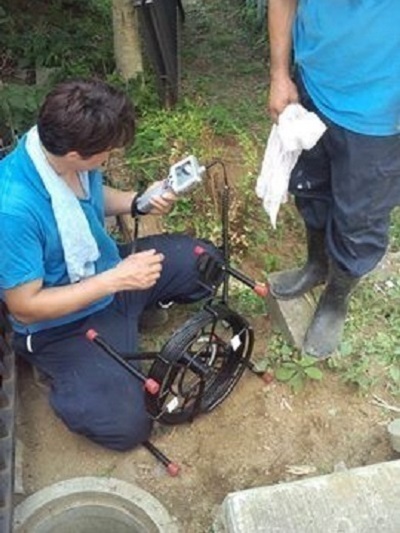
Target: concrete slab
292, 317
362, 500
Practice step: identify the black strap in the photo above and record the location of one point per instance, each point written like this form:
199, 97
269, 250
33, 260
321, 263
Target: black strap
135, 212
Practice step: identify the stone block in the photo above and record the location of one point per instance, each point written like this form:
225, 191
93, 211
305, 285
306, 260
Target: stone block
292, 317
362, 500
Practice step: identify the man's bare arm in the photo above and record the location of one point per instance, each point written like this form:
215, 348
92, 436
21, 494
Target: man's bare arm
31, 303
280, 21
283, 91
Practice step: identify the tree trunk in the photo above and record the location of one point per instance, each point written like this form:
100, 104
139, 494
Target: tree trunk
127, 49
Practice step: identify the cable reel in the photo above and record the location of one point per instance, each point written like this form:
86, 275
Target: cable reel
200, 364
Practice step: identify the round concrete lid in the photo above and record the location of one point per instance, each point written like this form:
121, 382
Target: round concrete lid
92, 505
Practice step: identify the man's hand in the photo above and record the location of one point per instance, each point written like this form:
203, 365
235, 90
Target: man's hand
138, 271
162, 204
282, 93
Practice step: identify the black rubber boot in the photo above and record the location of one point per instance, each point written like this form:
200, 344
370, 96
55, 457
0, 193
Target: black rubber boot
293, 283
325, 332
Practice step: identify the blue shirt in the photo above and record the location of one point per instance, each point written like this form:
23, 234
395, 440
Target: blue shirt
30, 245
348, 53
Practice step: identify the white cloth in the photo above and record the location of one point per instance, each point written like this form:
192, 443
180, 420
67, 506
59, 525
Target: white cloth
79, 246
297, 129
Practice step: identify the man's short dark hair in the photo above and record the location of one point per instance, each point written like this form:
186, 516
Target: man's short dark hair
86, 116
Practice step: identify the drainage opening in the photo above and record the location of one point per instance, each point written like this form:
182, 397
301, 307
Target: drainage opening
92, 505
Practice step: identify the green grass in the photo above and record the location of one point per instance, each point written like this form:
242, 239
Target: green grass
370, 351
225, 62
69, 37
245, 301
395, 230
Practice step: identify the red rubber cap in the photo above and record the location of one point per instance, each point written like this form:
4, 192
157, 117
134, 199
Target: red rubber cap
261, 290
199, 250
91, 334
173, 469
151, 386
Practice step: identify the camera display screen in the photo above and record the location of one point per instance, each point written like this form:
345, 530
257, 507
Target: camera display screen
182, 175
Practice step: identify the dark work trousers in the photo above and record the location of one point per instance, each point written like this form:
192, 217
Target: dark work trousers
348, 184
90, 392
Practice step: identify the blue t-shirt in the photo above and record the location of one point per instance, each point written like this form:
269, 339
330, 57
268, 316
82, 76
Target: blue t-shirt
348, 53
30, 246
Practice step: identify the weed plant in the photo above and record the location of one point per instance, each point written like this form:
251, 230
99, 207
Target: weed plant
370, 354
68, 35
60, 39
395, 230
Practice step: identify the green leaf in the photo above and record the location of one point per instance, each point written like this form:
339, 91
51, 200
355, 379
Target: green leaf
297, 383
261, 366
286, 350
306, 361
313, 372
285, 373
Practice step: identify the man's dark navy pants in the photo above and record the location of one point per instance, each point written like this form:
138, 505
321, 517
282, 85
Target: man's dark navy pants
90, 392
348, 185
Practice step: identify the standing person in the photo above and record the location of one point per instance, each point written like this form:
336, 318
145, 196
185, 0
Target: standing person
346, 58
61, 273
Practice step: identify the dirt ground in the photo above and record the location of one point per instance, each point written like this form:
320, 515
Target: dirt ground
262, 434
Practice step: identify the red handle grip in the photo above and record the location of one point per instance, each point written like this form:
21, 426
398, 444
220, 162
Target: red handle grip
261, 290
151, 386
198, 250
91, 334
173, 469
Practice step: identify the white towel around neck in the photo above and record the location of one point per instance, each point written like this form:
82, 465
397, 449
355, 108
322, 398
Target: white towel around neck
79, 246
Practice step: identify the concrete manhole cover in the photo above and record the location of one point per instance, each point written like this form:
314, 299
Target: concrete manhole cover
92, 505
